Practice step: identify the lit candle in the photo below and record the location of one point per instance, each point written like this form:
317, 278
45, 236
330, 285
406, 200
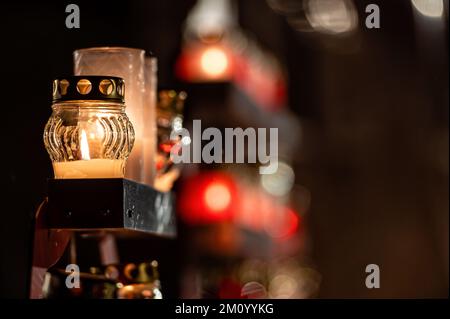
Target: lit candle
87, 167
88, 134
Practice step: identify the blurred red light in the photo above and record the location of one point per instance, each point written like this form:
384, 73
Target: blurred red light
217, 197
208, 198
229, 289
282, 223
200, 62
262, 81
292, 223
213, 197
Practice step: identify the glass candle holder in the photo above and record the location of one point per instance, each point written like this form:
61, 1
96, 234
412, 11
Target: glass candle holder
88, 134
127, 63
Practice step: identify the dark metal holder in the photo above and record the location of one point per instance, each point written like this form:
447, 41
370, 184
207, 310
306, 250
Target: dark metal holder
109, 205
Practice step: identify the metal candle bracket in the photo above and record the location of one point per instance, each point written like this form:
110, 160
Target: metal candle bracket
109, 204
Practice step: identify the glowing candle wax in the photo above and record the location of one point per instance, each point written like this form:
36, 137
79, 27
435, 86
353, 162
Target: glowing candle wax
94, 168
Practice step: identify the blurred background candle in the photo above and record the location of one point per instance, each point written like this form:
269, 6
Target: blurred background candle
127, 63
96, 168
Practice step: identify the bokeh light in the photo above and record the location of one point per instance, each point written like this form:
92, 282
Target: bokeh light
429, 8
280, 183
214, 62
253, 290
208, 197
331, 16
283, 286
217, 197
283, 223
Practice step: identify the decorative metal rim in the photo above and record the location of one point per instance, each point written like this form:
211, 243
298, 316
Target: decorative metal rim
89, 87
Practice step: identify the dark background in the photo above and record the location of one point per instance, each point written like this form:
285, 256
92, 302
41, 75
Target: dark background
373, 108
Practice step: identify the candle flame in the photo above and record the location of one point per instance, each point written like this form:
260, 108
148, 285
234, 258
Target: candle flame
84, 146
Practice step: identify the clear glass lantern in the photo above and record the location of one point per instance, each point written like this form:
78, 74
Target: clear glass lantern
88, 134
129, 64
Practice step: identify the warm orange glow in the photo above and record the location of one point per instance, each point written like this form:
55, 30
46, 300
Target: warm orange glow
214, 62
217, 197
84, 146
